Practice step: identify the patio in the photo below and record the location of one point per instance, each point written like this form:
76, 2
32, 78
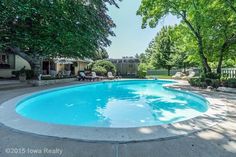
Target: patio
217, 141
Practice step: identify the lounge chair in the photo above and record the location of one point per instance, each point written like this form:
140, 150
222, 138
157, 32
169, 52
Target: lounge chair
94, 75
82, 76
178, 75
53, 73
67, 73
110, 76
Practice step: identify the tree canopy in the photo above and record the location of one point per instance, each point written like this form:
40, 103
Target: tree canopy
208, 27
101, 54
68, 28
164, 50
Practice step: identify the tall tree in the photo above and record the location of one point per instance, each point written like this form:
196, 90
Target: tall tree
219, 30
164, 53
191, 12
100, 55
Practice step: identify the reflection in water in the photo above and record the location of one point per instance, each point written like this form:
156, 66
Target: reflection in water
114, 104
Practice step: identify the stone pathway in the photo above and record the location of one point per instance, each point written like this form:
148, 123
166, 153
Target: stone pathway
4, 82
218, 141
12, 84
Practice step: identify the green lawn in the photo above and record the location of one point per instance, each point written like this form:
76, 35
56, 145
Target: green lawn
158, 76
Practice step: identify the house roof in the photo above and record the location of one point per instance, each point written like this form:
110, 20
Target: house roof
60, 60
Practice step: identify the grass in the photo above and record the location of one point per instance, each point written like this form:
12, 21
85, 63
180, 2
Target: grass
159, 76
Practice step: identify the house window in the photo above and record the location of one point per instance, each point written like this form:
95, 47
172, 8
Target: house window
7, 61
3, 59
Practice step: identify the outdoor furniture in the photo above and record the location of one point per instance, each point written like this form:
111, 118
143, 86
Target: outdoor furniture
82, 76
110, 75
94, 75
67, 73
60, 74
178, 75
53, 73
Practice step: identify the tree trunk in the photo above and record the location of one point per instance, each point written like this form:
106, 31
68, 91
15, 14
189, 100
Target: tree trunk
36, 67
222, 50
35, 62
204, 61
197, 34
169, 68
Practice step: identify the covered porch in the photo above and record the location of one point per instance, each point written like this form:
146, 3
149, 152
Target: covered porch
59, 67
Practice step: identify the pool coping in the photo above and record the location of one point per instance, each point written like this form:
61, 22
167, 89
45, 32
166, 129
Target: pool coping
216, 113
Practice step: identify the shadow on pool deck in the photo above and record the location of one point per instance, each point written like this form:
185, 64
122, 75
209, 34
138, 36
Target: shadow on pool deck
218, 141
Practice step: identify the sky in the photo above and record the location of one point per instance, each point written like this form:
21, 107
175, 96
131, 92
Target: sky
130, 38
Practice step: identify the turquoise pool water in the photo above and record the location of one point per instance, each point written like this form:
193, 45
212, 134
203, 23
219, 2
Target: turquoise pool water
115, 104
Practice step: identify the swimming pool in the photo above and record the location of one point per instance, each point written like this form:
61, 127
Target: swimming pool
115, 104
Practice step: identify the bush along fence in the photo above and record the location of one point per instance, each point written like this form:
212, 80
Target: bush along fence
226, 72
172, 72
162, 72
214, 80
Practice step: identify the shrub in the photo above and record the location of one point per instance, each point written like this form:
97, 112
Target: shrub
29, 73
194, 81
197, 82
232, 83
211, 75
229, 83
142, 70
107, 65
99, 70
47, 77
142, 74
210, 79
215, 83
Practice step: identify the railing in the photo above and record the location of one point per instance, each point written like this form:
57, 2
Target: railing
229, 72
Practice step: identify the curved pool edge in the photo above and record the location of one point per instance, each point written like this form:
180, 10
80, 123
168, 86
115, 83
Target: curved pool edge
216, 113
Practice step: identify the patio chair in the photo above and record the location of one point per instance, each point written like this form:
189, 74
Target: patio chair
110, 75
178, 75
82, 76
53, 73
94, 75
67, 73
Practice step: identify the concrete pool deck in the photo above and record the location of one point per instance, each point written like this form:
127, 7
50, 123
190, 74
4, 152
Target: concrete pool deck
216, 112
219, 140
